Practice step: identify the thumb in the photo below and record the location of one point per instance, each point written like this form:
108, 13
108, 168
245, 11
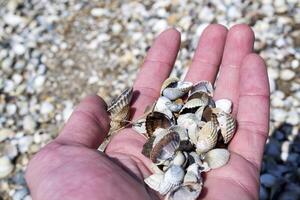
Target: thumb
88, 124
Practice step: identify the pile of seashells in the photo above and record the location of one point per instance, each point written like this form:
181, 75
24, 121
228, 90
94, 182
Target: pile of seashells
187, 132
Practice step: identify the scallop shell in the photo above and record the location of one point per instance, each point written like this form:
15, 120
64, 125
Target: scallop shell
121, 101
203, 86
165, 148
189, 121
227, 125
161, 106
180, 158
224, 104
207, 138
156, 120
172, 178
171, 81
217, 158
154, 181
119, 119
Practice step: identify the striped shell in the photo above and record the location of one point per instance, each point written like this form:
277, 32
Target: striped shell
161, 106
207, 138
227, 125
154, 181
191, 105
216, 158
180, 89
172, 178
165, 148
169, 82
190, 191
121, 101
202, 86
183, 134
119, 119
189, 121
156, 120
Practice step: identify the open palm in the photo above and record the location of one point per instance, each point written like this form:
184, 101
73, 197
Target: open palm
70, 167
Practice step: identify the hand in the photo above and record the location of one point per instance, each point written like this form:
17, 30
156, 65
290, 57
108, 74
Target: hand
70, 167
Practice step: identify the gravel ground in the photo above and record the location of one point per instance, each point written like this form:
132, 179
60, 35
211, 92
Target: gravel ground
53, 53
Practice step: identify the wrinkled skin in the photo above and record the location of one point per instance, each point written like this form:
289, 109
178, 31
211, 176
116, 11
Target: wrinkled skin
70, 167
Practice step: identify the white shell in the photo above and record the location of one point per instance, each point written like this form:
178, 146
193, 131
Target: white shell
161, 106
192, 174
186, 192
178, 91
180, 158
227, 125
189, 121
224, 104
172, 178
154, 181
140, 126
216, 158
207, 138
183, 134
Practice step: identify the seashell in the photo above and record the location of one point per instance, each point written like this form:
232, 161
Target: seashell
159, 133
224, 104
194, 158
192, 174
202, 87
154, 181
169, 82
175, 90
121, 101
217, 158
119, 119
140, 126
156, 120
180, 158
227, 125
185, 145
192, 105
183, 134
165, 148
161, 106
204, 167
207, 138
147, 147
172, 178
190, 191
174, 107
189, 121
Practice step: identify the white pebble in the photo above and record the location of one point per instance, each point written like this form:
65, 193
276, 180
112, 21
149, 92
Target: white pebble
5, 134
295, 64
279, 115
160, 26
116, 28
6, 167
39, 82
24, 143
46, 108
19, 49
293, 117
29, 124
98, 12
287, 74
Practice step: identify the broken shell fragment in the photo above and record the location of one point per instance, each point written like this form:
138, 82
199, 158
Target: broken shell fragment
121, 101
207, 138
216, 158
224, 104
165, 148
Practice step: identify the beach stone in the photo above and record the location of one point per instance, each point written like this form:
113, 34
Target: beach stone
46, 108
5, 134
267, 180
287, 74
29, 124
6, 167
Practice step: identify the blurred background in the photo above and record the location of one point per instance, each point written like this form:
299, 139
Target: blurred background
53, 53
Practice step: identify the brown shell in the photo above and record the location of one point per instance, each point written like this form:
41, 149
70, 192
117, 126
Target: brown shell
165, 148
119, 119
203, 86
156, 120
169, 81
147, 147
121, 101
191, 106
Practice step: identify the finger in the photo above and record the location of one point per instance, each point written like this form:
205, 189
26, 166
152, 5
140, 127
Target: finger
156, 68
208, 54
88, 124
239, 43
253, 111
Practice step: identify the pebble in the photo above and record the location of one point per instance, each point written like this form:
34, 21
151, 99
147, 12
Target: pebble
46, 108
5, 134
6, 167
20, 194
279, 115
29, 124
11, 109
287, 74
10, 150
267, 180
24, 143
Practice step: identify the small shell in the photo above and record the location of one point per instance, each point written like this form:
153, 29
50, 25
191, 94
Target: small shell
171, 81
192, 105
203, 86
177, 90
147, 147
154, 181
165, 148
189, 191
224, 104
119, 119
207, 138
174, 107
189, 121
194, 158
156, 120
192, 174
121, 101
227, 125
180, 158
172, 178
217, 158
140, 126
161, 106
183, 134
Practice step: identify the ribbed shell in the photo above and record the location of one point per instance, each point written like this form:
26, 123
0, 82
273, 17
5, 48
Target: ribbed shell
227, 125
192, 105
161, 106
168, 82
156, 120
190, 191
173, 177
203, 86
224, 104
165, 148
181, 131
121, 101
216, 158
207, 138
119, 119
154, 181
